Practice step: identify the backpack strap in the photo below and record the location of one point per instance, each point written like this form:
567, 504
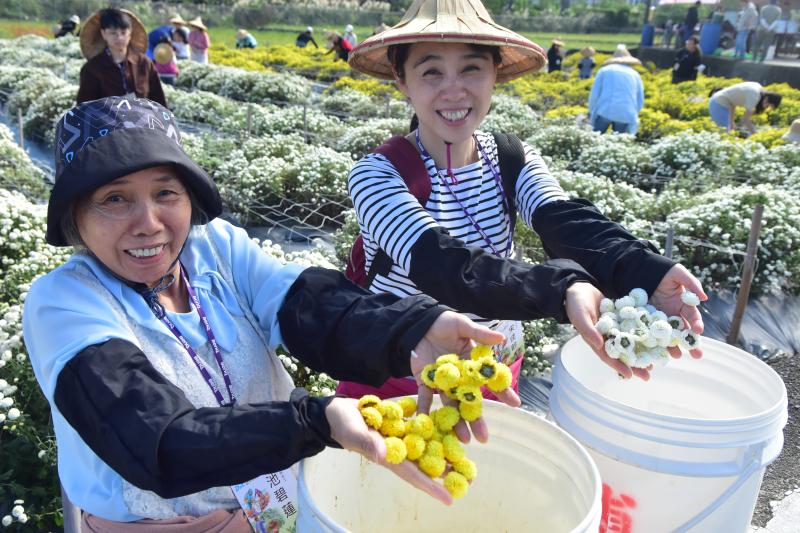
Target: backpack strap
511, 158
406, 159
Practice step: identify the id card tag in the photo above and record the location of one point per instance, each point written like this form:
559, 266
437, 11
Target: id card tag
269, 502
514, 346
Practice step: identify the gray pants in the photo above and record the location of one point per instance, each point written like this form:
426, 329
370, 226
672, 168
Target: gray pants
761, 43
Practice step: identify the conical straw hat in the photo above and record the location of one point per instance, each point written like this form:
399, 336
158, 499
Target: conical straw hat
622, 57
449, 21
197, 22
92, 42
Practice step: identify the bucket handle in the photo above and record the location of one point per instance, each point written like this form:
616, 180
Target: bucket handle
755, 464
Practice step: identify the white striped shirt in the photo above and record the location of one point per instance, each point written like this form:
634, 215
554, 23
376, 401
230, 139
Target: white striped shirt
392, 219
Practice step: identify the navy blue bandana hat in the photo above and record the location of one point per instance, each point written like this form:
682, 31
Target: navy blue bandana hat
100, 141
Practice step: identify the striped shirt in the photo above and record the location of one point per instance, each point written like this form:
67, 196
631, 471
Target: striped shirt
392, 219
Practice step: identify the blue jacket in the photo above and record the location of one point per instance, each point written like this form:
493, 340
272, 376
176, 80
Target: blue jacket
617, 94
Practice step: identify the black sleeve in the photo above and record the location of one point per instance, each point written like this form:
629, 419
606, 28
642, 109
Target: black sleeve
575, 229
315, 42
144, 428
333, 326
473, 281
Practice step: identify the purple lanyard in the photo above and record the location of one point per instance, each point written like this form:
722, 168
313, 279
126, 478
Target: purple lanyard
121, 67
472, 220
201, 366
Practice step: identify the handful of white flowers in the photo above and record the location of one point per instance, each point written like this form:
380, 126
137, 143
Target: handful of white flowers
638, 334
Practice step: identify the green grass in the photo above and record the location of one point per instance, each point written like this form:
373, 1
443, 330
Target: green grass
283, 34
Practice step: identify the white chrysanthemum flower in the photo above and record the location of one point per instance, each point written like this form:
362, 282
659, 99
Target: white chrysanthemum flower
650, 308
17, 511
690, 339
605, 324
7, 520
23, 518
611, 348
13, 413
607, 305
643, 360
625, 301
658, 315
676, 322
659, 360
625, 342
690, 298
628, 312
660, 329
675, 338
639, 296
629, 326
628, 359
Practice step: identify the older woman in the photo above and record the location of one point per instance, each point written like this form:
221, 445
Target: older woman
114, 43
456, 243
155, 343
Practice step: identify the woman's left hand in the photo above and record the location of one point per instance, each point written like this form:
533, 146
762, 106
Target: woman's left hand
667, 298
455, 333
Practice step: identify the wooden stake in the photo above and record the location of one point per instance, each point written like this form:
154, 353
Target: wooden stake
21, 130
669, 242
747, 276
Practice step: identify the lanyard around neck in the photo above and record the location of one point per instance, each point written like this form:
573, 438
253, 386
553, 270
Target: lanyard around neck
201, 366
121, 67
498, 180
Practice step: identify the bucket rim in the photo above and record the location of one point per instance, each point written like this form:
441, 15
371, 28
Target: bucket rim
773, 413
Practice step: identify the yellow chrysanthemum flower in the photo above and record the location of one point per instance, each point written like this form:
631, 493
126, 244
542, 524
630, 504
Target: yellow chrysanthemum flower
469, 394
408, 405
481, 351
421, 425
372, 417
470, 411
446, 418
369, 400
471, 373
453, 450
415, 446
447, 376
437, 436
391, 410
456, 484
395, 450
447, 358
393, 428
451, 393
501, 379
466, 468
434, 448
488, 367
429, 375
433, 466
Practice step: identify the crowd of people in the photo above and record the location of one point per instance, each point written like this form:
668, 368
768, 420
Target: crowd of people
160, 359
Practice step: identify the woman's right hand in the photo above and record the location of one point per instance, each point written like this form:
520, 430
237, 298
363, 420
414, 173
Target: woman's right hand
350, 431
582, 304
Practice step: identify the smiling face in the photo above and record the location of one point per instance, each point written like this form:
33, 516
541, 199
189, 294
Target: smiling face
137, 224
450, 87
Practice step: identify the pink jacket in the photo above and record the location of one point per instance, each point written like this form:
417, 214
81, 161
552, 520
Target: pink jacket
199, 40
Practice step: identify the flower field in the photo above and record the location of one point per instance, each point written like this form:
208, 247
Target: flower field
279, 144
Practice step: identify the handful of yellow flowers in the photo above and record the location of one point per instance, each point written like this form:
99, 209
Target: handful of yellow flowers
429, 439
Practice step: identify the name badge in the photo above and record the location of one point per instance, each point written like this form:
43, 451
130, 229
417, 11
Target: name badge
269, 502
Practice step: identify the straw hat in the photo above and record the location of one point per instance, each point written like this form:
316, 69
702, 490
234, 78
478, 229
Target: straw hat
587, 51
197, 22
793, 135
449, 21
92, 42
241, 34
622, 56
177, 20
557, 42
74, 18
163, 53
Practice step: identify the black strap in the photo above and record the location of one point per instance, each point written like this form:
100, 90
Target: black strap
511, 158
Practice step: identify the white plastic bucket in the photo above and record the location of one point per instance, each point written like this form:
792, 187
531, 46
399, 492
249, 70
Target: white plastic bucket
532, 477
685, 451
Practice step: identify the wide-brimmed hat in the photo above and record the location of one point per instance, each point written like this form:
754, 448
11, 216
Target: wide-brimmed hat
197, 22
587, 51
622, 56
557, 42
177, 20
452, 21
74, 18
163, 53
92, 42
241, 34
793, 135
99, 141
